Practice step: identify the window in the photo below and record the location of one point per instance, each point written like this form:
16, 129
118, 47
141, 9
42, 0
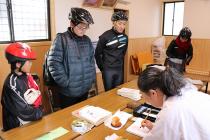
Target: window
24, 20
173, 17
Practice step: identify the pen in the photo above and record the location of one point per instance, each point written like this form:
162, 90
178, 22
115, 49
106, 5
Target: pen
148, 113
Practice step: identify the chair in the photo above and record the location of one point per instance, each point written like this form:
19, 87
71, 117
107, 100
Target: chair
93, 91
54, 98
135, 64
144, 58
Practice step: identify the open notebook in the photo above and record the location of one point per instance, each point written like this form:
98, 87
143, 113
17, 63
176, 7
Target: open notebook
136, 128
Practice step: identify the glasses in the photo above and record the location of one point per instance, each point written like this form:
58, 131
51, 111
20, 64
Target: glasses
82, 27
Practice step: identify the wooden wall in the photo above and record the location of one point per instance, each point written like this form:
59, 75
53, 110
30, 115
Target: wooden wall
200, 61
136, 45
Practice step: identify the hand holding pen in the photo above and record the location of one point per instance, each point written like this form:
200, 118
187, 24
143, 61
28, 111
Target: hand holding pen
147, 123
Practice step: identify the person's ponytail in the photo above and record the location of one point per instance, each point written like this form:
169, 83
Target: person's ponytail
172, 82
168, 80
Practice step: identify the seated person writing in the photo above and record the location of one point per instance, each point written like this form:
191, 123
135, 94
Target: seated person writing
21, 98
184, 111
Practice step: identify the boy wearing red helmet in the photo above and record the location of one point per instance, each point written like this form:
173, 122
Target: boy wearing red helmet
21, 98
180, 51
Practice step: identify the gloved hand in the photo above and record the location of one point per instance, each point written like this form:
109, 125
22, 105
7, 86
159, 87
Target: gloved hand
33, 97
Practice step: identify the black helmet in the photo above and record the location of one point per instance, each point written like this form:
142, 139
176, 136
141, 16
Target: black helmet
185, 33
80, 15
120, 15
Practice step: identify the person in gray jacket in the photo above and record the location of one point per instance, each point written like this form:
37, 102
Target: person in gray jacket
71, 59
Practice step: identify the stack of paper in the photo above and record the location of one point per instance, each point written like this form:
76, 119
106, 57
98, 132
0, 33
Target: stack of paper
92, 114
133, 94
136, 128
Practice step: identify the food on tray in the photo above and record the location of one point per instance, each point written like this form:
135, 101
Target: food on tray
116, 122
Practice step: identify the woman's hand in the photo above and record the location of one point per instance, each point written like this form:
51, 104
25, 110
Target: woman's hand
147, 123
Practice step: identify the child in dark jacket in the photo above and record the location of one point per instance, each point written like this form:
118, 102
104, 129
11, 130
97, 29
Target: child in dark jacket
21, 99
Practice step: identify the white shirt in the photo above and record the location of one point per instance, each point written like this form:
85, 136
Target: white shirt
185, 117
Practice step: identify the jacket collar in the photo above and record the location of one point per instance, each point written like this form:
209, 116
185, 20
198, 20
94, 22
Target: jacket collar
72, 34
115, 31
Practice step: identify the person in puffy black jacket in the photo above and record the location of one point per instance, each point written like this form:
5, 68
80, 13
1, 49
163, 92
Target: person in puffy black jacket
71, 59
21, 98
110, 52
180, 51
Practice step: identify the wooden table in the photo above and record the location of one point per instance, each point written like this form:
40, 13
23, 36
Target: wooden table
102, 131
63, 118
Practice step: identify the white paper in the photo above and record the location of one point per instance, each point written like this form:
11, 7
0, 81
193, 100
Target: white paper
123, 116
112, 137
94, 114
136, 128
133, 94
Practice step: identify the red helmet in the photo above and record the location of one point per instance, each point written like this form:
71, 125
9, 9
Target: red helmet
19, 52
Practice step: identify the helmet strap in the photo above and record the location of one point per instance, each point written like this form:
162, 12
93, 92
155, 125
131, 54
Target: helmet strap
74, 23
116, 30
14, 66
72, 29
72, 26
22, 63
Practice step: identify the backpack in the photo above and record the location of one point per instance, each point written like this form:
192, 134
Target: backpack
47, 77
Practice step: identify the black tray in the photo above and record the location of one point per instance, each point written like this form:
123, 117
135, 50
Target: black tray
138, 112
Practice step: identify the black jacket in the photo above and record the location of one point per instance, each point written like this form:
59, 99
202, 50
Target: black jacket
14, 107
111, 49
71, 63
172, 52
